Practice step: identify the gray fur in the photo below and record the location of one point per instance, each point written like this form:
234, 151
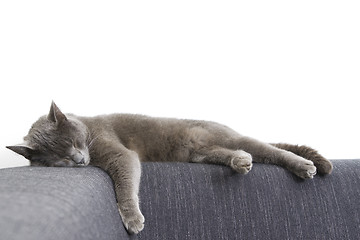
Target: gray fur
118, 143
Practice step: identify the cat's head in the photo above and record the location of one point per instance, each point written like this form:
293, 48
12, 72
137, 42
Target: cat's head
56, 140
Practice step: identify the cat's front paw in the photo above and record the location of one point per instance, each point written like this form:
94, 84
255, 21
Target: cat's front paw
241, 162
305, 169
132, 219
134, 224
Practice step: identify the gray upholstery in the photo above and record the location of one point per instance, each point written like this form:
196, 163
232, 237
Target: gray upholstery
58, 203
182, 201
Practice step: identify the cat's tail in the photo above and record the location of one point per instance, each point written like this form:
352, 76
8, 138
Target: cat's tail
323, 165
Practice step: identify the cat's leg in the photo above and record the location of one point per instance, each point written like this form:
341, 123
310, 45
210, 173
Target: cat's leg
125, 170
238, 160
323, 165
266, 153
123, 166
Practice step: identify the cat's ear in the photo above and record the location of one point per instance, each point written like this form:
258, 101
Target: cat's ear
55, 115
23, 150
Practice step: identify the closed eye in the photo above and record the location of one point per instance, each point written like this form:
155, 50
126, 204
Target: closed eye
78, 144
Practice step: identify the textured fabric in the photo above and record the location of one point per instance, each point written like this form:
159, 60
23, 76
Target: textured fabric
58, 203
197, 201
182, 201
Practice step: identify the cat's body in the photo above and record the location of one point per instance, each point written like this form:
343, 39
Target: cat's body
118, 143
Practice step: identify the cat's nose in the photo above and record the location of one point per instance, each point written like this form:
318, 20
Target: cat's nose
79, 160
82, 161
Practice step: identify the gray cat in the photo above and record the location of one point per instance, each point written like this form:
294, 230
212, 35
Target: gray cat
118, 143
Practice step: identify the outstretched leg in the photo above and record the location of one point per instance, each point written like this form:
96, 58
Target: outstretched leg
238, 160
323, 165
123, 166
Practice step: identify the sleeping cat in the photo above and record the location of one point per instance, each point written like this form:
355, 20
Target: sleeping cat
118, 143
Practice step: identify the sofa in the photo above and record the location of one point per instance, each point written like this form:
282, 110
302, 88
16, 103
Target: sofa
182, 201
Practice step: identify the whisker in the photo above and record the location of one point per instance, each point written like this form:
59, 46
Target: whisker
90, 144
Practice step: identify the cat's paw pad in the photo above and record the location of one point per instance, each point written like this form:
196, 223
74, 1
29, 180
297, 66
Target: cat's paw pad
134, 224
241, 162
306, 169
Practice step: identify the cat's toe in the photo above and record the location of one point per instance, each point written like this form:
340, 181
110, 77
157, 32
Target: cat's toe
242, 162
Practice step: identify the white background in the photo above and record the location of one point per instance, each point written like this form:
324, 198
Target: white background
279, 71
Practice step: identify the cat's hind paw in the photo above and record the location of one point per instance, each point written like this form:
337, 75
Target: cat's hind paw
241, 162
